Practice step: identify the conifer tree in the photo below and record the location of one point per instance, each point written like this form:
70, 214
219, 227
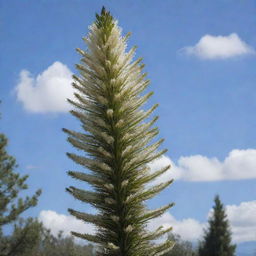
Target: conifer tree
217, 239
116, 143
24, 240
11, 184
11, 206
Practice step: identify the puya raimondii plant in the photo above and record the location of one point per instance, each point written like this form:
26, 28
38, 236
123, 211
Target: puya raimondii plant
117, 139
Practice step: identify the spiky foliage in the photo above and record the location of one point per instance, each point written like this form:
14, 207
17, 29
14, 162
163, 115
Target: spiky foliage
217, 239
117, 140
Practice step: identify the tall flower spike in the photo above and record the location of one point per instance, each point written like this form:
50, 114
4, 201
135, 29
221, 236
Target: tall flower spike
116, 145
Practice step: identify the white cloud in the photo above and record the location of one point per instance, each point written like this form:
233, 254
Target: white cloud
219, 47
48, 91
238, 165
59, 222
172, 173
241, 217
243, 221
189, 229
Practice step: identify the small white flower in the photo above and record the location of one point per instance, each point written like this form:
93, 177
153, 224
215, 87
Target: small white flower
109, 186
107, 138
129, 229
124, 183
112, 246
110, 113
120, 123
113, 81
104, 152
108, 63
104, 167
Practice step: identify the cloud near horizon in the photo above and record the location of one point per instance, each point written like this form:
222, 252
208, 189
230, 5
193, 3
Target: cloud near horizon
243, 221
57, 222
241, 218
238, 165
219, 47
189, 229
48, 91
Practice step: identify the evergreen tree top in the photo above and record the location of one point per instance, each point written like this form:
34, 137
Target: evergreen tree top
217, 238
218, 203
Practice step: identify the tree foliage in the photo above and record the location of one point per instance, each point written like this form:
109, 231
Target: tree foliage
50, 245
181, 247
217, 238
117, 139
38, 241
11, 205
23, 240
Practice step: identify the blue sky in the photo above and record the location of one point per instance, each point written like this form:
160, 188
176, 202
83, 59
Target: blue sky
200, 58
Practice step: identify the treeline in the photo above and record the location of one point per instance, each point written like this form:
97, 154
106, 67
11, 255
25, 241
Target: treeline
30, 238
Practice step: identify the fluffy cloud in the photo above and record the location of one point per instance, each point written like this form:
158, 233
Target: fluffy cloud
189, 229
241, 217
59, 222
48, 91
239, 164
219, 47
243, 221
